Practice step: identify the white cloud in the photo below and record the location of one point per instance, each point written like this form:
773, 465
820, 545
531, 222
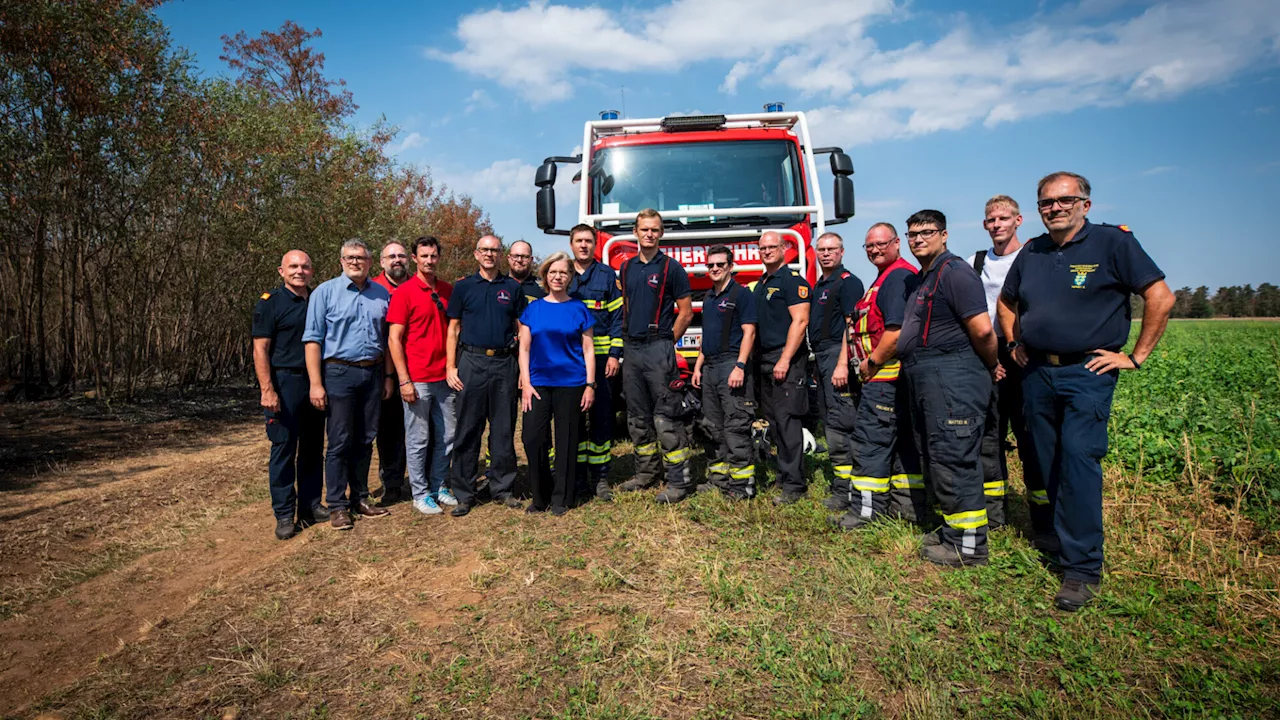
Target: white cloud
478, 99
410, 141
1055, 62
502, 181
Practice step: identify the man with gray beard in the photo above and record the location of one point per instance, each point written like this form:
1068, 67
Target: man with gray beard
391, 454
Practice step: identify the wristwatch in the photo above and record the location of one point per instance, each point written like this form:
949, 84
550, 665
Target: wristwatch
740, 365
592, 385
872, 365
1012, 345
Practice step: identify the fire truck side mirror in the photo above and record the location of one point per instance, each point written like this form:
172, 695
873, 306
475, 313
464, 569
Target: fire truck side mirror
546, 176
843, 196
841, 164
547, 207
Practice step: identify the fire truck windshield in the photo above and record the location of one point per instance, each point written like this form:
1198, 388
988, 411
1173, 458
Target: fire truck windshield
705, 175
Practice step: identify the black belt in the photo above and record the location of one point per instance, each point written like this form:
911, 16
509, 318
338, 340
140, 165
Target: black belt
354, 363
291, 371
1058, 359
651, 337
488, 352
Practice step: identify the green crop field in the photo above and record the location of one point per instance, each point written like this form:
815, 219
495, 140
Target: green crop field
711, 609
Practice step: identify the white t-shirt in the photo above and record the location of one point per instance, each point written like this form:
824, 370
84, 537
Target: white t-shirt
994, 270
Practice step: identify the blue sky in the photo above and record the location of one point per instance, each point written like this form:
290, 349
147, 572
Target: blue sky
1171, 109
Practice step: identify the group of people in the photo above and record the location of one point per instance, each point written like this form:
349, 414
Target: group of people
922, 376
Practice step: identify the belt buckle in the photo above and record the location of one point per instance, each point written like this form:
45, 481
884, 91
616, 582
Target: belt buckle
1053, 359
489, 351
653, 329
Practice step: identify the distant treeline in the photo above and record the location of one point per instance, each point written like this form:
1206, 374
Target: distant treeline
144, 207
1234, 301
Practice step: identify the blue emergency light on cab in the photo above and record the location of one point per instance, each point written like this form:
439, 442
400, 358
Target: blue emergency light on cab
609, 114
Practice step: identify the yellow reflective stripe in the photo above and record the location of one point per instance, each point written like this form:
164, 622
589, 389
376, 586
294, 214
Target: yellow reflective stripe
967, 520
615, 342
604, 447
597, 459
908, 482
889, 372
720, 467
582, 458
1039, 497
583, 445
862, 482
993, 489
744, 472
613, 305
594, 304
647, 449
844, 472
676, 456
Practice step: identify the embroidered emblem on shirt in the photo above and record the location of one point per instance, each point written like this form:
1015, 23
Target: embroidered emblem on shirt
504, 297
653, 280
1082, 275
266, 296
804, 292
768, 293
822, 299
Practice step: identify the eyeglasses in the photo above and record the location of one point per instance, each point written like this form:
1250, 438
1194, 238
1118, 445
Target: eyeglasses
520, 257
880, 245
355, 258
922, 234
770, 247
718, 265
1066, 201
489, 251
558, 273
395, 256
829, 250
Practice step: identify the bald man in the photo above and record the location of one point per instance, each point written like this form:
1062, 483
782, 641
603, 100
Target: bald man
520, 260
295, 428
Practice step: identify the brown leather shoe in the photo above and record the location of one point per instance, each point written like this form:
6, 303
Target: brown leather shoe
340, 519
364, 509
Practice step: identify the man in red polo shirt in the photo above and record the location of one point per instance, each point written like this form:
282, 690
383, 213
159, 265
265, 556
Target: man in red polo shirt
416, 340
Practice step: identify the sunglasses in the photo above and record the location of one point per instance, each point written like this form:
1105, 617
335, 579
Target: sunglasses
718, 265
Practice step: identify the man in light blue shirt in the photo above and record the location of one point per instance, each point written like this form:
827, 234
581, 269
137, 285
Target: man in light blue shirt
346, 342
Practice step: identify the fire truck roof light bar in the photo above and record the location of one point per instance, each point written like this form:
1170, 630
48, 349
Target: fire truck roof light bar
681, 123
705, 212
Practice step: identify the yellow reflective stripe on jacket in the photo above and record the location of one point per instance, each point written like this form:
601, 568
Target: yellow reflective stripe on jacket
647, 449
890, 371
613, 305
908, 482
993, 489
1039, 497
861, 483
967, 520
594, 304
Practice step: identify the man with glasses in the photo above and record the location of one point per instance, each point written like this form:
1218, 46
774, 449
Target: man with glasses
391, 461
728, 392
835, 298
1065, 311
948, 352
520, 261
782, 301
885, 474
416, 340
348, 367
481, 366
657, 310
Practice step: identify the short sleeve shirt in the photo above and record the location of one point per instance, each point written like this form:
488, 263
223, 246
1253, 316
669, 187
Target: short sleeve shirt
349, 321
892, 296
841, 290
555, 347
425, 321
775, 294
734, 307
949, 293
488, 310
1075, 298
531, 289
281, 317
642, 282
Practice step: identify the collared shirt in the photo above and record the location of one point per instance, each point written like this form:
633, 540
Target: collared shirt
735, 307
775, 294
385, 282
841, 290
281, 316
348, 321
597, 288
949, 293
1075, 298
425, 323
530, 287
642, 283
488, 310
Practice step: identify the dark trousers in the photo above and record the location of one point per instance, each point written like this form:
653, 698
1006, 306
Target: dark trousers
558, 410
949, 394
884, 470
488, 395
391, 454
1067, 409
595, 443
297, 445
727, 413
785, 404
652, 413
355, 401
839, 410
1005, 414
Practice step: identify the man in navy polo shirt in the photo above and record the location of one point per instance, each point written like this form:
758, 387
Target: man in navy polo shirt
728, 392
1065, 310
520, 261
948, 352
481, 366
782, 301
656, 311
835, 299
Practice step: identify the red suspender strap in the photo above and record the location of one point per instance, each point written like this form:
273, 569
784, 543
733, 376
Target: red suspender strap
924, 337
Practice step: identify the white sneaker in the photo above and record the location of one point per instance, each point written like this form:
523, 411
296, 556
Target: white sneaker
444, 497
427, 506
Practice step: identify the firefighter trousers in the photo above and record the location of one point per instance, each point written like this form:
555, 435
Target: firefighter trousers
839, 417
1006, 414
785, 404
653, 409
884, 471
595, 449
949, 393
728, 413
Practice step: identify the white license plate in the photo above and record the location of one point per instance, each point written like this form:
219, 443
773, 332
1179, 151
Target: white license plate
690, 342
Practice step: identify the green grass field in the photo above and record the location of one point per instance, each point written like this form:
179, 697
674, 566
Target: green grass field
717, 610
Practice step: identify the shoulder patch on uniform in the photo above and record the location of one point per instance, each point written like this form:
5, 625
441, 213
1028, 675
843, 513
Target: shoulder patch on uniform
804, 292
618, 282
795, 273
266, 296
845, 275
1124, 228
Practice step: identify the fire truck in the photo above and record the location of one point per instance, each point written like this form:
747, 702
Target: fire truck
716, 179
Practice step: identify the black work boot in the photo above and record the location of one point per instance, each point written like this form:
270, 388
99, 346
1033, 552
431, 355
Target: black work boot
948, 555
603, 491
1074, 595
671, 495
635, 484
285, 528
836, 502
